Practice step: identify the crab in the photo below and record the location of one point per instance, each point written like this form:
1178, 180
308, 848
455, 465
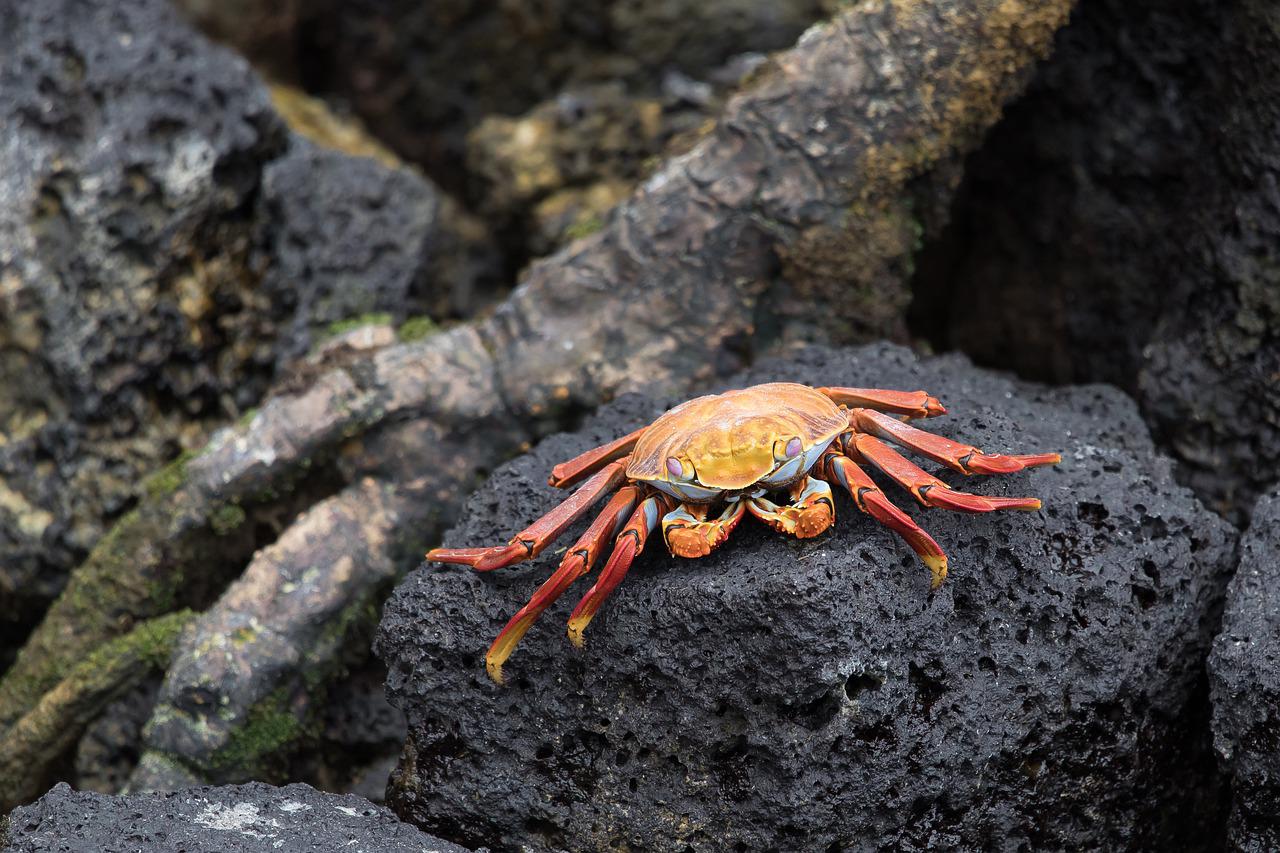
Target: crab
773, 451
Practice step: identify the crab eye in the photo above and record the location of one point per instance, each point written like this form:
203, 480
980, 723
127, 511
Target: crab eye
793, 448
674, 468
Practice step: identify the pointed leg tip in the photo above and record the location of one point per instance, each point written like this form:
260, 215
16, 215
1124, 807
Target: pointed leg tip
937, 569
576, 629
933, 407
453, 556
494, 668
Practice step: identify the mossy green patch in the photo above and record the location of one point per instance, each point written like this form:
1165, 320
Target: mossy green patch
170, 478
271, 729
584, 227
341, 327
417, 328
150, 642
226, 518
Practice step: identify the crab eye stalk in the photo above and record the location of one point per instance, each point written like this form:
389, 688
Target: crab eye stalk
793, 448
674, 468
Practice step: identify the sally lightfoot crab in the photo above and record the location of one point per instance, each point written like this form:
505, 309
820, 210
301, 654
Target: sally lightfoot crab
699, 468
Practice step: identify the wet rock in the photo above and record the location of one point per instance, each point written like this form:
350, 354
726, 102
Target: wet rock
232, 819
165, 243
1121, 224
785, 694
1245, 681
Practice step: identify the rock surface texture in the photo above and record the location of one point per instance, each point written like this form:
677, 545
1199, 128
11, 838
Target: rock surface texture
165, 242
232, 819
1121, 225
785, 694
1244, 673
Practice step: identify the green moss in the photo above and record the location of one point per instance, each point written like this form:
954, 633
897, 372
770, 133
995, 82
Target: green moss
584, 228
170, 478
248, 416
417, 328
341, 327
151, 641
272, 728
243, 635
226, 518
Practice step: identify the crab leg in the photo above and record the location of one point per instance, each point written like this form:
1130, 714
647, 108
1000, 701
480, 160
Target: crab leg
569, 473
630, 543
688, 533
913, 404
926, 488
581, 557
868, 498
810, 512
964, 458
529, 542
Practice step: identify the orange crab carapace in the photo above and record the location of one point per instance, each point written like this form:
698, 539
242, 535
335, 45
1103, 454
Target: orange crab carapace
773, 451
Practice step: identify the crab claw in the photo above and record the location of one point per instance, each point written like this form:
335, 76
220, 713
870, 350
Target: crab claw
482, 559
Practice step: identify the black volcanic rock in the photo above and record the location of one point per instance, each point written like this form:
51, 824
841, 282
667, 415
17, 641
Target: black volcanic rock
1244, 673
253, 818
785, 694
1121, 224
165, 244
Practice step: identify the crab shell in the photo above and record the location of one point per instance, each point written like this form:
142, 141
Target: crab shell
736, 443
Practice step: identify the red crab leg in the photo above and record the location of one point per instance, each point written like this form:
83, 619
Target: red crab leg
688, 533
530, 541
964, 458
868, 498
630, 543
568, 473
926, 488
914, 404
581, 557
810, 512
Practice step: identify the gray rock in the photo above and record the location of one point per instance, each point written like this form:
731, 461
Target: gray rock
363, 239
232, 819
129, 152
785, 694
165, 243
1244, 676
247, 681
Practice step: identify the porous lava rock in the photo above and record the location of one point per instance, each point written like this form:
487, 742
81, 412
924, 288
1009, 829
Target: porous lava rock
786, 695
230, 819
1244, 672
